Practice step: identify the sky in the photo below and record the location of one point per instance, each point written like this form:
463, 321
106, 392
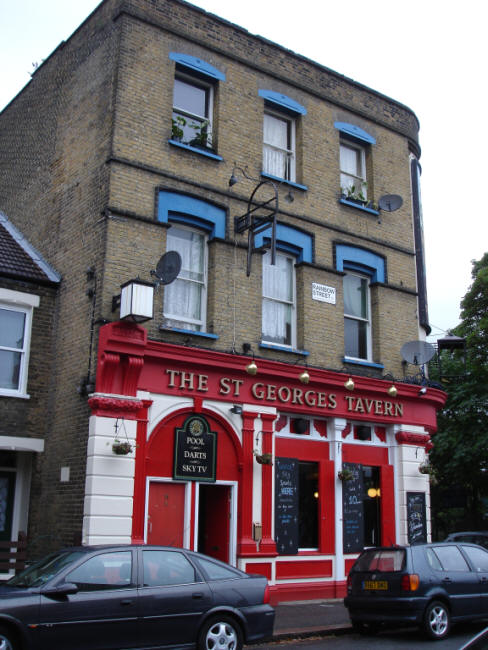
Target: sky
427, 54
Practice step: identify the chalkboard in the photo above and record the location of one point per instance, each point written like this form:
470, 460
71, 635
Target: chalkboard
416, 518
286, 505
352, 509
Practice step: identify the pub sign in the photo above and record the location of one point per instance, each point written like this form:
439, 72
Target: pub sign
195, 450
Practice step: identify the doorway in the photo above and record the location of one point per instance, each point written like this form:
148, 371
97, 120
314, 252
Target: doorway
166, 513
214, 520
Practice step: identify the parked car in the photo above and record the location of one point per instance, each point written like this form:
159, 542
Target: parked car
427, 585
475, 537
133, 597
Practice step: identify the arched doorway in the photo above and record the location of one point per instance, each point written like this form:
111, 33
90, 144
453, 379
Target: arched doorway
194, 509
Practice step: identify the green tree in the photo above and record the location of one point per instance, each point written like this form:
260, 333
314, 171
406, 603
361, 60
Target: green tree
460, 454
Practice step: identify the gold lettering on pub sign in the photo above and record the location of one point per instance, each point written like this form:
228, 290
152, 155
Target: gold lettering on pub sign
292, 395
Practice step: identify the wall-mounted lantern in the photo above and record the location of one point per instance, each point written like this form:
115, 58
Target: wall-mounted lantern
136, 301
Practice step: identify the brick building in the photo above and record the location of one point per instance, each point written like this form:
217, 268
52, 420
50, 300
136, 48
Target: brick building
28, 286
274, 357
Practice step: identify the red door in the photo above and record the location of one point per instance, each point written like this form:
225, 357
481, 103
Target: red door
214, 521
166, 513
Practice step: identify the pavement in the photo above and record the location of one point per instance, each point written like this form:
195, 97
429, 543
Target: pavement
302, 618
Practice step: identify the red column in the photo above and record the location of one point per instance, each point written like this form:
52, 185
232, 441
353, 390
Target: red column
139, 505
246, 544
267, 546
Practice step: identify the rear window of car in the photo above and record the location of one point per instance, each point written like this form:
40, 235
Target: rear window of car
381, 560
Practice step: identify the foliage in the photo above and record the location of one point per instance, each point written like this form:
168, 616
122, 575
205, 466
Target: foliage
460, 454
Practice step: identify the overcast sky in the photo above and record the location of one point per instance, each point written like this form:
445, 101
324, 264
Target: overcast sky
428, 54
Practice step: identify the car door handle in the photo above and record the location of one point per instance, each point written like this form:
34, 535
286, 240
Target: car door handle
127, 601
447, 580
197, 595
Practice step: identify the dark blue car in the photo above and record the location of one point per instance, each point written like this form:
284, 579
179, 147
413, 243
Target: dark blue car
427, 585
123, 597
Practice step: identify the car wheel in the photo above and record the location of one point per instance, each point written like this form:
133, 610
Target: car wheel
437, 620
220, 633
365, 628
8, 640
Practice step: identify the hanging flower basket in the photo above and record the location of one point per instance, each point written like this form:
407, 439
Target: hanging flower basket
425, 468
345, 475
121, 448
264, 459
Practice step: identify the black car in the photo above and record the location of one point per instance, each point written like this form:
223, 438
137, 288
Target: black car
471, 537
123, 597
427, 585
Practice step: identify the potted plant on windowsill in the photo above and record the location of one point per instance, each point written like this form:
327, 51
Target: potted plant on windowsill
177, 125
201, 140
357, 195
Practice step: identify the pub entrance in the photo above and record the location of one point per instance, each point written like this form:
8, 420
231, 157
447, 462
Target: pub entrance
214, 520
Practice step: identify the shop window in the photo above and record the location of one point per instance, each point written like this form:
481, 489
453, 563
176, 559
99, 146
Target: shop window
278, 311
308, 505
357, 319
185, 299
279, 146
15, 337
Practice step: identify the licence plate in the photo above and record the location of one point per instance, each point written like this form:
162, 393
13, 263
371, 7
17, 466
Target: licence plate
376, 585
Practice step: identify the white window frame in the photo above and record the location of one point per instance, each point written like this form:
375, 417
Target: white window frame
198, 325
359, 179
187, 115
23, 303
292, 303
289, 152
366, 320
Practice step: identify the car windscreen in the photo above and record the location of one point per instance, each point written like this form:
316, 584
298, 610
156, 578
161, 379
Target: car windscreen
43, 570
381, 560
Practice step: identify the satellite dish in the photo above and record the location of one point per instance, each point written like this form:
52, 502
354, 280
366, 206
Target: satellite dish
168, 267
390, 202
417, 352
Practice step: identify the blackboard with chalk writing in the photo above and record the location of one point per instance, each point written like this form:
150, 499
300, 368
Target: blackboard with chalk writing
286, 505
416, 518
352, 509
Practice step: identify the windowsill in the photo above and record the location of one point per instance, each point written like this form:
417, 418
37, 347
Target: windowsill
205, 335
203, 152
6, 393
283, 181
359, 362
283, 348
359, 206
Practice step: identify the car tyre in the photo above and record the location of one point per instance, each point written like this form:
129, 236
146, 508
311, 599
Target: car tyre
437, 620
221, 632
8, 640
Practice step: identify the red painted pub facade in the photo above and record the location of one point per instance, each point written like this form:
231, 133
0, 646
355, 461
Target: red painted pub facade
273, 475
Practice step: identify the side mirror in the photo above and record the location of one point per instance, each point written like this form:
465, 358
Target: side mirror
60, 591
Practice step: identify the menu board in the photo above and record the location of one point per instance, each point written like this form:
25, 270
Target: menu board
416, 518
352, 509
286, 505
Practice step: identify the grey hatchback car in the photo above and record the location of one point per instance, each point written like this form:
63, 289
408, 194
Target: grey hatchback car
427, 585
